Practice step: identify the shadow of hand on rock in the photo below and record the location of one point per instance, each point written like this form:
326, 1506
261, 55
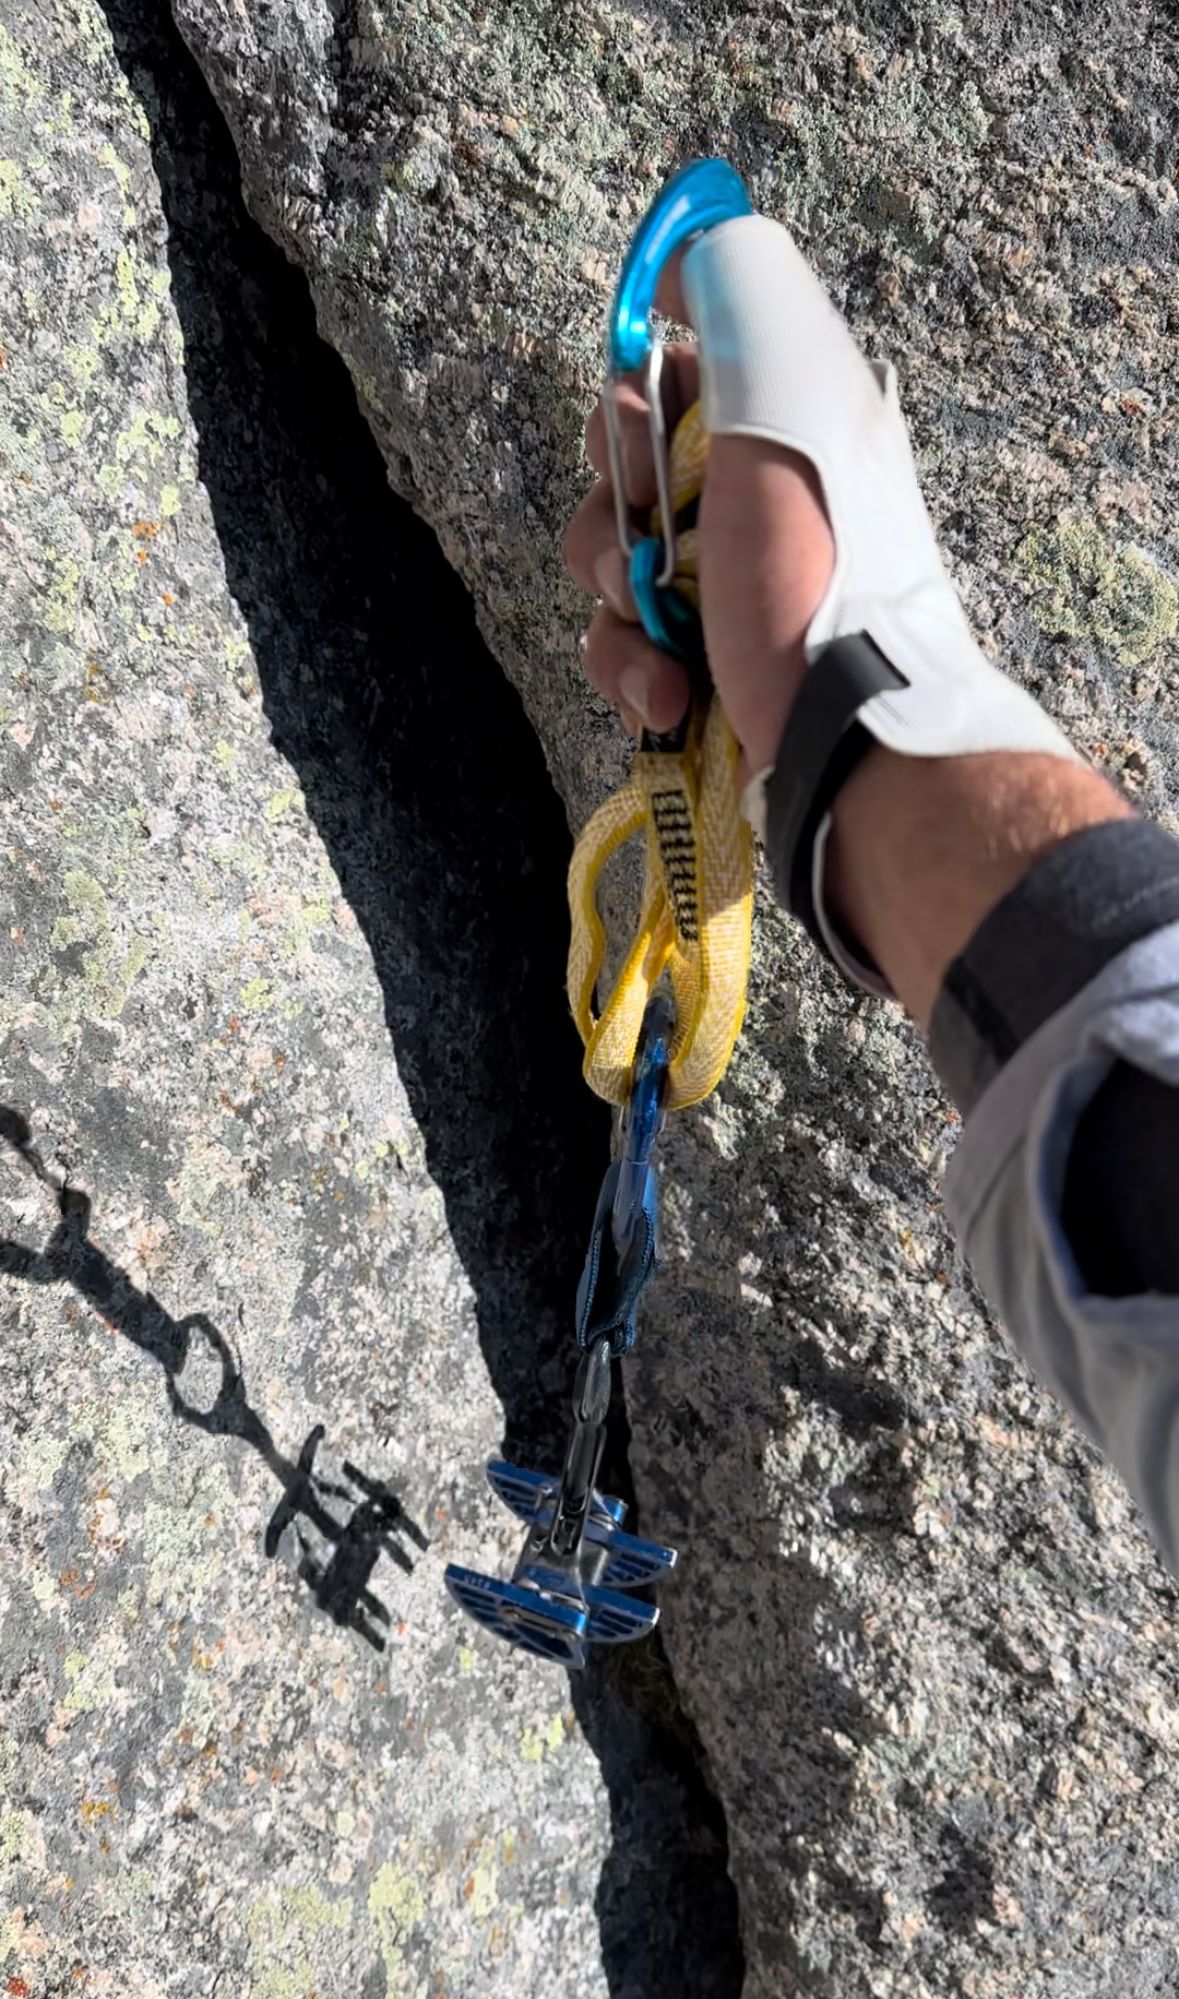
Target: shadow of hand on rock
335, 1553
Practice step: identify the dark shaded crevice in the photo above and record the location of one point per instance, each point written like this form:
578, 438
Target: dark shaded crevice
430, 793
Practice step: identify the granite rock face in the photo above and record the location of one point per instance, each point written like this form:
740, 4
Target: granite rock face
291, 1134
928, 1648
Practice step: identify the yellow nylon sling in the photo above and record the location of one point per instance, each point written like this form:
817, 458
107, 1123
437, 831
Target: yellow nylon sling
695, 916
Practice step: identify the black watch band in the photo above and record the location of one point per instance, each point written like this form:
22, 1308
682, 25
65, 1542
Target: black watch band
822, 744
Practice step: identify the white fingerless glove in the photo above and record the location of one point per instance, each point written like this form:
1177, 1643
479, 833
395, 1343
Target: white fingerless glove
778, 362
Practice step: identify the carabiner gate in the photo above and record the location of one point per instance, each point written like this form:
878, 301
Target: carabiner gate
701, 195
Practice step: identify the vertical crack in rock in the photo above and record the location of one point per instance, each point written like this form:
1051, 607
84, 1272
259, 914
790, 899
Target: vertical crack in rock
430, 793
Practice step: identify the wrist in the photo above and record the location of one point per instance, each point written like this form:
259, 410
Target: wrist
922, 849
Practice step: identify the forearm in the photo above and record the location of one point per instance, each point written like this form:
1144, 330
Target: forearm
922, 849
1077, 914
1057, 1031
923, 863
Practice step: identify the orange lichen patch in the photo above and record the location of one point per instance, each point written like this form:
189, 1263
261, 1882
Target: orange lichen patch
96, 1808
71, 1580
167, 597
16, 1986
145, 530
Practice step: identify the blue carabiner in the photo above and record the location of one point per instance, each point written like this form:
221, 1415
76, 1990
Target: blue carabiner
698, 197
702, 194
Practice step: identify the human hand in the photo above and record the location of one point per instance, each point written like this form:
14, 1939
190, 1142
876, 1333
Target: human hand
819, 571
766, 555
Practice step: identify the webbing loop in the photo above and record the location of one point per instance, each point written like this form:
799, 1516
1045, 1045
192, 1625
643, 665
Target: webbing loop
695, 916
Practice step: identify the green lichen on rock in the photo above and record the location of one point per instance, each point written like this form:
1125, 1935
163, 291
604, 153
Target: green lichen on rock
1082, 586
396, 1905
15, 197
285, 1933
12, 1837
91, 1680
106, 968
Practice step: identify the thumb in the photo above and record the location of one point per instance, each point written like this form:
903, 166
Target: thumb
766, 557
775, 361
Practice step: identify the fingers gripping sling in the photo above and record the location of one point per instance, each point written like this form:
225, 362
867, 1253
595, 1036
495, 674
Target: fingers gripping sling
695, 915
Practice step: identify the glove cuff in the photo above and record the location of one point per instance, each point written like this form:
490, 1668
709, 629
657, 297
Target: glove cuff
849, 700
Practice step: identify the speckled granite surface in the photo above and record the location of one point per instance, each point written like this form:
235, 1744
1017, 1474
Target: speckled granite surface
291, 1139
929, 1650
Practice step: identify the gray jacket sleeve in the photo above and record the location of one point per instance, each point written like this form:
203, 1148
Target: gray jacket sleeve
1114, 1361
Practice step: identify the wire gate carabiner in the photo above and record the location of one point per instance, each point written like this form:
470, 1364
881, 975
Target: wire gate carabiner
701, 195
